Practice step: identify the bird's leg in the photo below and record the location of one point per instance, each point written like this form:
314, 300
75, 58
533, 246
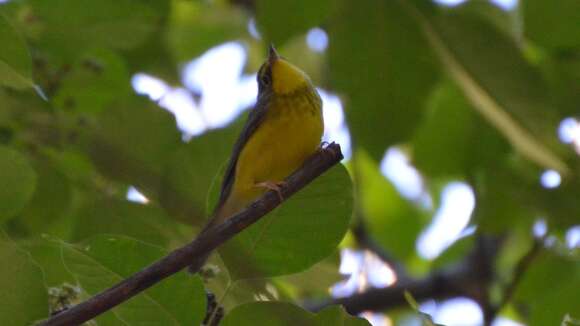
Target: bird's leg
273, 185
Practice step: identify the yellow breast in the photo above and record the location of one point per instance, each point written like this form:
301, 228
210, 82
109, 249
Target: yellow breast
289, 134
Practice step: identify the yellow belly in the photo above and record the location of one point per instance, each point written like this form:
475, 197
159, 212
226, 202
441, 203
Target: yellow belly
284, 140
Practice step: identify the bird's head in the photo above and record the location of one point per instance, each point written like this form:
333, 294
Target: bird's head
280, 76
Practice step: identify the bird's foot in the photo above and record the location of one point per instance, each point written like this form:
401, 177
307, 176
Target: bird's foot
273, 185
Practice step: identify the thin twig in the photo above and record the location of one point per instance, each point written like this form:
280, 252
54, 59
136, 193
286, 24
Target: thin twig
209, 240
518, 273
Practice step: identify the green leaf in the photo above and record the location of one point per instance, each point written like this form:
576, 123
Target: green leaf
15, 62
105, 260
385, 77
549, 289
301, 232
499, 83
147, 223
552, 25
392, 220
195, 26
283, 313
117, 24
47, 254
278, 21
51, 201
94, 80
191, 171
22, 292
18, 181
451, 141
133, 141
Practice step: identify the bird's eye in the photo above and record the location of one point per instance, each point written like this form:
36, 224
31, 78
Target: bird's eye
265, 79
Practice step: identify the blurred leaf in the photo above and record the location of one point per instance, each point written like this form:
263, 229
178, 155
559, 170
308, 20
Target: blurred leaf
18, 181
296, 235
118, 24
190, 172
384, 76
563, 73
22, 292
451, 141
93, 81
142, 222
195, 26
454, 253
549, 289
105, 260
552, 25
50, 202
392, 220
133, 141
282, 313
494, 76
15, 63
278, 21
315, 281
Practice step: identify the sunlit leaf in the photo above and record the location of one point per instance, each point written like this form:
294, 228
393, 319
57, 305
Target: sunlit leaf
549, 289
102, 261
392, 220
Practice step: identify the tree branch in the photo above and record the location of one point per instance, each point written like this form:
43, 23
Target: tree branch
209, 240
468, 278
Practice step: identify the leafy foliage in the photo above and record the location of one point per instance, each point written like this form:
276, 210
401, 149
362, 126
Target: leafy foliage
470, 93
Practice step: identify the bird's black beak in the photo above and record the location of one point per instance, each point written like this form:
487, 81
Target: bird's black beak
272, 54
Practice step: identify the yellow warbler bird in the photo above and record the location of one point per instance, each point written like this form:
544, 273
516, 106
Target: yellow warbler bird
282, 131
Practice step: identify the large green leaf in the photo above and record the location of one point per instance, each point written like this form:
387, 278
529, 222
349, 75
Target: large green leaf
392, 220
283, 313
18, 181
280, 20
385, 77
552, 24
133, 140
51, 201
22, 292
190, 172
499, 83
147, 223
451, 140
296, 235
105, 260
549, 289
195, 26
65, 28
15, 63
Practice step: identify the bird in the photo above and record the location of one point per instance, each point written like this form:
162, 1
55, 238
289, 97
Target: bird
283, 129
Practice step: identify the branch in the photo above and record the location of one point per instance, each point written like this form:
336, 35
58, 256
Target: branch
469, 278
519, 270
209, 240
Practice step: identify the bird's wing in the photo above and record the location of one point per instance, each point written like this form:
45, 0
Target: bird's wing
255, 119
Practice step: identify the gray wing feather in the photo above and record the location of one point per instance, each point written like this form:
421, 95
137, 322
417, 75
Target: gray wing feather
255, 119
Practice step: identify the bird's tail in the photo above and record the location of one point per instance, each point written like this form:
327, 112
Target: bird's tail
221, 214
